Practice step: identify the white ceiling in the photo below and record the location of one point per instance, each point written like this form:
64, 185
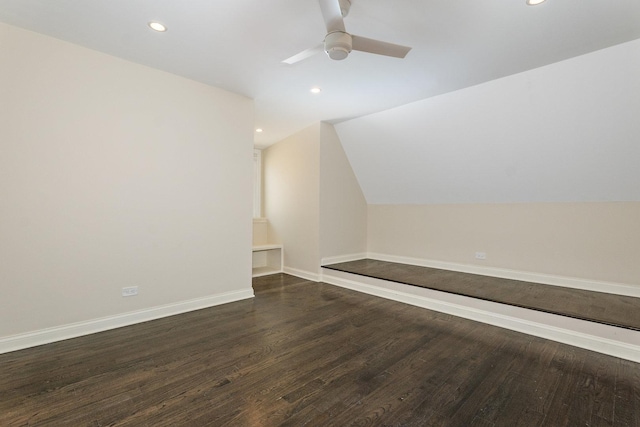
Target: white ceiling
238, 45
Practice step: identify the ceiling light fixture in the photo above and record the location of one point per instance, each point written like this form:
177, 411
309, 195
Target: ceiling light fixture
534, 2
259, 130
315, 90
157, 26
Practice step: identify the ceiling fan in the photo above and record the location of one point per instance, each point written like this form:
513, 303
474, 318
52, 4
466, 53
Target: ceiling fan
338, 43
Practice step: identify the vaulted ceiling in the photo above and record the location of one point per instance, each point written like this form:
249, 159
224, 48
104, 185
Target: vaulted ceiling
238, 45
565, 132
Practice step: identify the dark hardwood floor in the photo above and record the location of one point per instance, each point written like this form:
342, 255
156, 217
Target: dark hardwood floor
617, 310
311, 354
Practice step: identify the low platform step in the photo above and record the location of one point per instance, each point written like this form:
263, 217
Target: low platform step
597, 321
615, 310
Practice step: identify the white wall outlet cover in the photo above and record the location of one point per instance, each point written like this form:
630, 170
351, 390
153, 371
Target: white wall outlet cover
130, 291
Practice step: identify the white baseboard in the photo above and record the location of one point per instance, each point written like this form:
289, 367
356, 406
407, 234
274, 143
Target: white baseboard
307, 275
525, 276
342, 258
596, 337
59, 333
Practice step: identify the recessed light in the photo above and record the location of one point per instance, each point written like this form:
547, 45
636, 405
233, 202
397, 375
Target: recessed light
157, 26
534, 2
259, 130
316, 90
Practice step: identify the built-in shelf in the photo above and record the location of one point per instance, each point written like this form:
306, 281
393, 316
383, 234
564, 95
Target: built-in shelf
267, 259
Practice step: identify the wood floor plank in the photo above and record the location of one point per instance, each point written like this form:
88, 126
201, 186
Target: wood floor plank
627, 395
311, 354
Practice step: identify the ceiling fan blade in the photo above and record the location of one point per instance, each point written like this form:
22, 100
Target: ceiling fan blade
332, 15
364, 44
304, 54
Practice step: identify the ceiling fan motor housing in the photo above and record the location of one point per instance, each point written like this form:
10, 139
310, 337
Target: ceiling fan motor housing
338, 45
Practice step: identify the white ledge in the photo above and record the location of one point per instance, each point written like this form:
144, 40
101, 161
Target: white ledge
267, 247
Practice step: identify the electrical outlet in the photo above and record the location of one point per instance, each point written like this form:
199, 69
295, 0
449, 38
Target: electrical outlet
130, 291
481, 255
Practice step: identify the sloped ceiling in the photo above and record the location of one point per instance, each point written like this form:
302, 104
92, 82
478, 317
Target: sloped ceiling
238, 45
567, 132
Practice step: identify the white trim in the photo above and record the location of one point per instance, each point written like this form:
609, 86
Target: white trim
342, 258
605, 339
547, 279
257, 183
264, 271
259, 220
307, 275
267, 247
73, 330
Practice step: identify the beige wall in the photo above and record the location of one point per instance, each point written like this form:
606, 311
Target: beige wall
111, 175
261, 232
343, 209
595, 241
312, 200
291, 197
